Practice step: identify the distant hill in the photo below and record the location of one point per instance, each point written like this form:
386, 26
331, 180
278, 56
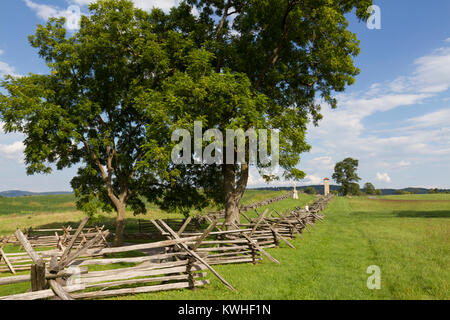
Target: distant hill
319, 189
20, 193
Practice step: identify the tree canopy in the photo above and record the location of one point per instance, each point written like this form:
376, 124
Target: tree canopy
263, 64
345, 175
121, 85
91, 108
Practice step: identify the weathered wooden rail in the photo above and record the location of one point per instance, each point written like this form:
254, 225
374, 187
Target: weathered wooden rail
55, 237
38, 239
52, 279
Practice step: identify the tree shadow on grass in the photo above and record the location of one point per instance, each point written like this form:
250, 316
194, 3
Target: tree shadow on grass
403, 214
423, 214
107, 222
133, 225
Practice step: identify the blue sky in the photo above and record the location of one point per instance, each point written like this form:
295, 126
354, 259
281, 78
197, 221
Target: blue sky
395, 119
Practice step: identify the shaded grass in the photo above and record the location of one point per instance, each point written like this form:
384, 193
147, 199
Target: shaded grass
433, 196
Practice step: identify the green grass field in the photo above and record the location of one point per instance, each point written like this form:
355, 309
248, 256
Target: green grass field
433, 197
408, 240
56, 210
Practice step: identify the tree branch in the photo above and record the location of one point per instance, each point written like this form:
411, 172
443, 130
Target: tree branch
219, 33
272, 59
222, 21
106, 177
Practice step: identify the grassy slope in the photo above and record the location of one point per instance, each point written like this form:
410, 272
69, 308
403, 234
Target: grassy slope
409, 241
56, 210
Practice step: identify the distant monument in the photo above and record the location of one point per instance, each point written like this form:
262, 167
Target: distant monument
326, 186
295, 194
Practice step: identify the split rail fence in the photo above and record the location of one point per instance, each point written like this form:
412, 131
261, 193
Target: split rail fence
181, 260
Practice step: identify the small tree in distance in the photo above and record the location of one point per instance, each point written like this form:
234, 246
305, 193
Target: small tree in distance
369, 189
345, 175
310, 190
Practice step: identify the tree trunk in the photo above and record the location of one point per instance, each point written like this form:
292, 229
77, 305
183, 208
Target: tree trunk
234, 190
232, 211
231, 207
120, 224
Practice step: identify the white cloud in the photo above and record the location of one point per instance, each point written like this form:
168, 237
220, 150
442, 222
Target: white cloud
384, 177
324, 162
45, 12
81, 2
433, 72
12, 151
431, 75
403, 163
318, 164
162, 4
6, 69
142, 4
313, 179
254, 179
343, 133
433, 119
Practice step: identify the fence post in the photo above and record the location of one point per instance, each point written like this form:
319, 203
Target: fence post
191, 273
38, 281
275, 238
254, 253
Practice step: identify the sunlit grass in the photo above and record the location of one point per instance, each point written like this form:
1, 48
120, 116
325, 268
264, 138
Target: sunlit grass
412, 252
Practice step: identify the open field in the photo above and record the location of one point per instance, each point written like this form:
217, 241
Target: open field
56, 210
435, 196
409, 241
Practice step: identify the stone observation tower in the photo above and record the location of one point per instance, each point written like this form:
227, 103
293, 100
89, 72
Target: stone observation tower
326, 186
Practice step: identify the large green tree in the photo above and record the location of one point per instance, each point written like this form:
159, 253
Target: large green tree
91, 111
265, 64
127, 79
345, 174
